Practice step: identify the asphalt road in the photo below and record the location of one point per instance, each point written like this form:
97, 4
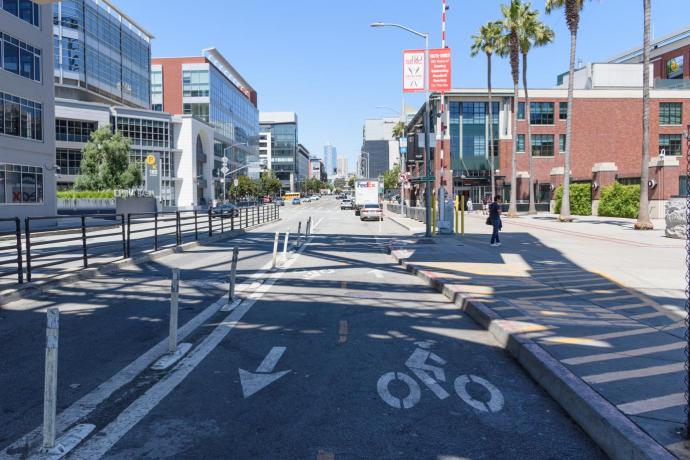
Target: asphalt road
338, 354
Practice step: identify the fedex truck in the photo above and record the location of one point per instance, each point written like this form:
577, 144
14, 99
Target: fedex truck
366, 192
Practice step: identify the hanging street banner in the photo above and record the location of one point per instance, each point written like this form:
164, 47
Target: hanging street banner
413, 71
439, 70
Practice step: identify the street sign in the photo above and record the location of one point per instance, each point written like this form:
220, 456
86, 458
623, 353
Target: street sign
224, 169
403, 141
236, 182
225, 160
413, 71
439, 70
403, 150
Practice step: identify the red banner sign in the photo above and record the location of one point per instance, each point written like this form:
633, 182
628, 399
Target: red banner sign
439, 70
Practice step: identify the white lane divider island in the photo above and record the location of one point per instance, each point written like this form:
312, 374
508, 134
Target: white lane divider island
420, 363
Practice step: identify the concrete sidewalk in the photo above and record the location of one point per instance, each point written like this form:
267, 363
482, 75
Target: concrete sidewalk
610, 351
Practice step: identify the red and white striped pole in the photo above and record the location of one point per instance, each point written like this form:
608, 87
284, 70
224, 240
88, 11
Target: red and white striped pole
441, 126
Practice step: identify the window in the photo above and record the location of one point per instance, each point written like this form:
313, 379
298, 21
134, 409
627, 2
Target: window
542, 145
20, 184
674, 67
69, 161
157, 107
561, 143
10, 54
74, 130
541, 113
145, 132
562, 110
521, 143
195, 83
199, 111
670, 113
521, 111
21, 117
20, 58
23, 9
671, 144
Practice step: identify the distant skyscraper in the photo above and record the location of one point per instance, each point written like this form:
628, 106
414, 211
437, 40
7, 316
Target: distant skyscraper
342, 166
329, 159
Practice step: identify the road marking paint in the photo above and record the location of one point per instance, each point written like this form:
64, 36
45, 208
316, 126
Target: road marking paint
408, 401
342, 331
494, 404
253, 382
584, 341
100, 443
628, 306
377, 273
652, 404
624, 354
615, 335
655, 314
343, 285
651, 371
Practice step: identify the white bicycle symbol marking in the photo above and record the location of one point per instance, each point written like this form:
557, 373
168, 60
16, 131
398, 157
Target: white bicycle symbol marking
417, 363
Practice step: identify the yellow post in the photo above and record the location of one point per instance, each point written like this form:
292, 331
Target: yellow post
462, 215
433, 214
455, 208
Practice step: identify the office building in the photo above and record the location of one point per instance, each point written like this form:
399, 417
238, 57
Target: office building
303, 157
211, 90
342, 168
330, 159
279, 129
379, 147
27, 138
265, 151
317, 169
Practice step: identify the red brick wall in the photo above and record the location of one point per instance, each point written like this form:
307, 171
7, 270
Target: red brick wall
172, 81
660, 62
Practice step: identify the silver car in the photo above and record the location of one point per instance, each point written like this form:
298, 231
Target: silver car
371, 211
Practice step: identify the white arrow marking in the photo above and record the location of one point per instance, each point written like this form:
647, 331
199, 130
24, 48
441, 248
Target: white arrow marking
377, 273
253, 382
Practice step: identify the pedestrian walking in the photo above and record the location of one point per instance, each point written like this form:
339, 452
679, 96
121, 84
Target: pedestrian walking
470, 206
494, 220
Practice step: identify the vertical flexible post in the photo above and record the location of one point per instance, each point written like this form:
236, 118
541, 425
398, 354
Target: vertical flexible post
285, 245
196, 226
155, 231
129, 235
174, 298
83, 241
27, 231
18, 235
50, 383
210, 222
124, 236
233, 272
275, 250
178, 228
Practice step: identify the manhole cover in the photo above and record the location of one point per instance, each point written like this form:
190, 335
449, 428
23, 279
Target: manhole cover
362, 295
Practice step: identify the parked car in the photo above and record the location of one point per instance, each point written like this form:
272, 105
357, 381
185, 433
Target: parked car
346, 204
280, 202
266, 199
371, 211
225, 210
306, 199
315, 197
296, 201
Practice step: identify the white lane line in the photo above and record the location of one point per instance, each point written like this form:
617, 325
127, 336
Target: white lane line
271, 359
102, 441
87, 403
652, 404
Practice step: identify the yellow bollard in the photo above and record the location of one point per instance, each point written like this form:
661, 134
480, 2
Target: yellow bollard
462, 216
455, 208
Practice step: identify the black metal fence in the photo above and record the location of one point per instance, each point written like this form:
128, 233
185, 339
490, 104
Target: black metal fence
90, 238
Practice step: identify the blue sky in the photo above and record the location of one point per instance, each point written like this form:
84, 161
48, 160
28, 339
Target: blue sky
322, 60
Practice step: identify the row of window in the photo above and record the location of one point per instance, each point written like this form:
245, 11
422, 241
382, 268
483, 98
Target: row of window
20, 58
21, 117
69, 160
542, 113
74, 130
20, 184
147, 133
25, 10
543, 144
195, 83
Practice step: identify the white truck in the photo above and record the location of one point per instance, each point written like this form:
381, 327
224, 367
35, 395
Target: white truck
366, 192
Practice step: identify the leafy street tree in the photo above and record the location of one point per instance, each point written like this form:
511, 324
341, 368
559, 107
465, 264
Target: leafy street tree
487, 42
351, 182
339, 183
246, 187
643, 222
391, 178
105, 163
510, 46
572, 19
269, 184
532, 32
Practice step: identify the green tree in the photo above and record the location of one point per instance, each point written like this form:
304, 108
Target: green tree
391, 178
269, 183
399, 130
351, 182
245, 187
532, 32
572, 18
643, 222
487, 42
105, 163
510, 46
339, 183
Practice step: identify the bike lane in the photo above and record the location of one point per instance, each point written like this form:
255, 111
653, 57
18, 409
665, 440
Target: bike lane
347, 356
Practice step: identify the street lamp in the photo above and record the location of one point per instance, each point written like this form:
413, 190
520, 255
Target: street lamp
225, 171
427, 140
367, 154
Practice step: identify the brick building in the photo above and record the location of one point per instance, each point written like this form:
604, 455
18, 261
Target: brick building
607, 137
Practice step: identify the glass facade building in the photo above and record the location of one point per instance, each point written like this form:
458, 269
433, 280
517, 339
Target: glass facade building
98, 49
469, 134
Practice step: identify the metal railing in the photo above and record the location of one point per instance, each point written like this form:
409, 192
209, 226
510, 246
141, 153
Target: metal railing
413, 213
13, 248
85, 238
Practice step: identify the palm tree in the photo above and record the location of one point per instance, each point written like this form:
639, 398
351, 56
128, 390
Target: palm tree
399, 130
643, 221
535, 33
510, 46
572, 19
487, 42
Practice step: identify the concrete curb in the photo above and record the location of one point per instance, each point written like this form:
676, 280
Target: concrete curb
402, 224
613, 432
29, 290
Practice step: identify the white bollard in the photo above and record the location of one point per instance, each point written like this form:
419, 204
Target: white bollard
285, 245
275, 250
299, 233
233, 271
174, 297
50, 388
